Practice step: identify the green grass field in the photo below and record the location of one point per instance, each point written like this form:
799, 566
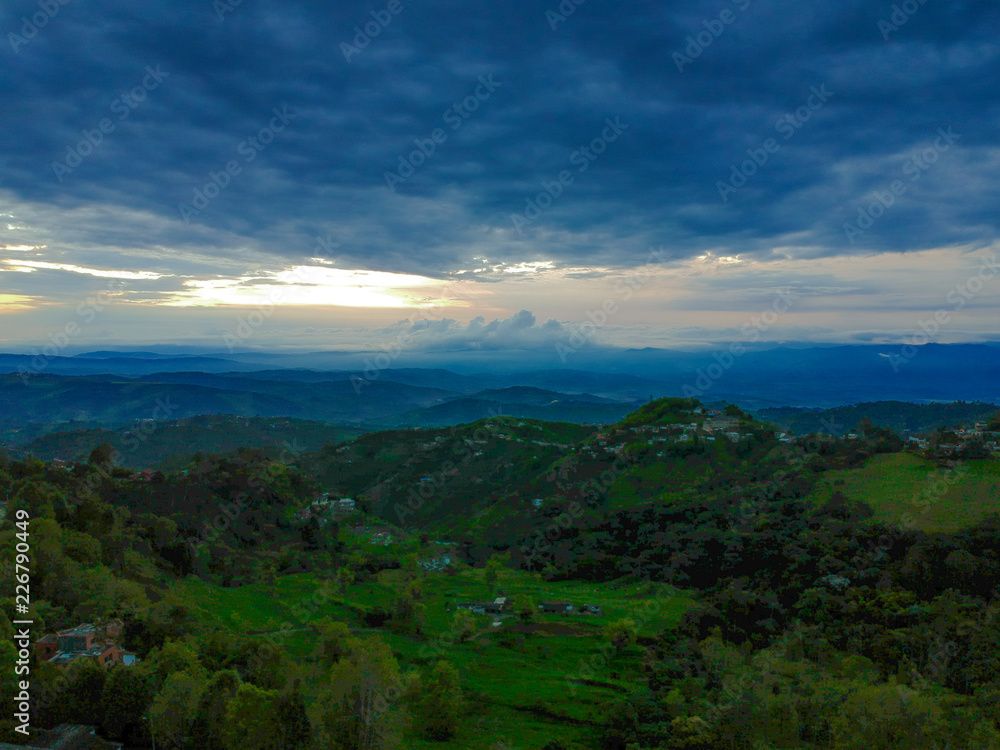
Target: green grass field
899, 486
548, 684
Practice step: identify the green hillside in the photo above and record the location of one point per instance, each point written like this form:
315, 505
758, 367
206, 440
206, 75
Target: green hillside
907, 491
516, 686
755, 592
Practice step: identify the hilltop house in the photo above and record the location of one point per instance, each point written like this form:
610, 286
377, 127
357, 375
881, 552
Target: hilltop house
722, 424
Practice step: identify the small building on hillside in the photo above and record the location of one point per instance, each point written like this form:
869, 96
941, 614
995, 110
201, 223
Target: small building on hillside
105, 654
722, 424
85, 641
382, 538
435, 564
568, 608
499, 606
343, 505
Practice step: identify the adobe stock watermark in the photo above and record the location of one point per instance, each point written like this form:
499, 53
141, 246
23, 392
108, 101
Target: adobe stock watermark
642, 614
563, 11
914, 168
122, 106
163, 411
958, 297
454, 117
248, 326
788, 125
582, 158
442, 477
240, 502
86, 313
391, 350
534, 552
752, 331
598, 317
714, 28
249, 149
224, 7
384, 356
363, 36
901, 13
30, 26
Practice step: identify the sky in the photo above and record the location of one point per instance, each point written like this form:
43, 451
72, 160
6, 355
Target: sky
309, 175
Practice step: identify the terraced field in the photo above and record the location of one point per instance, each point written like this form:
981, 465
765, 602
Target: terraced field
516, 685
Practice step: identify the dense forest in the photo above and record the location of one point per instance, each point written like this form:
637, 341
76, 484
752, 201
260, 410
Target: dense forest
756, 593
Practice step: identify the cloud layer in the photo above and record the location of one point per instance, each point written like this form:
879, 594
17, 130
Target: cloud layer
179, 143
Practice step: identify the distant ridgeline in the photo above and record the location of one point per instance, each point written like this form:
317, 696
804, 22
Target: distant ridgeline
169, 444
900, 416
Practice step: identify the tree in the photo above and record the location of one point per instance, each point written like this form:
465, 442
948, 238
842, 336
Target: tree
984, 736
268, 666
527, 610
175, 657
886, 717
40, 499
9, 689
359, 710
345, 577
622, 633
463, 625
103, 455
692, 733
7, 628
441, 705
411, 570
209, 723
296, 731
409, 613
334, 641
252, 720
124, 701
83, 692
491, 573
174, 708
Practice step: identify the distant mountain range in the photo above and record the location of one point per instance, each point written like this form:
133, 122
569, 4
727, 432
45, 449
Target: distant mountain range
26, 404
112, 388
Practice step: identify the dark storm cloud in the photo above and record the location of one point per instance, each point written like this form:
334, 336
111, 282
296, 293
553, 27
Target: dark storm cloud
222, 75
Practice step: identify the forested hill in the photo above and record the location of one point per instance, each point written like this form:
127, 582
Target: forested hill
171, 444
730, 588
